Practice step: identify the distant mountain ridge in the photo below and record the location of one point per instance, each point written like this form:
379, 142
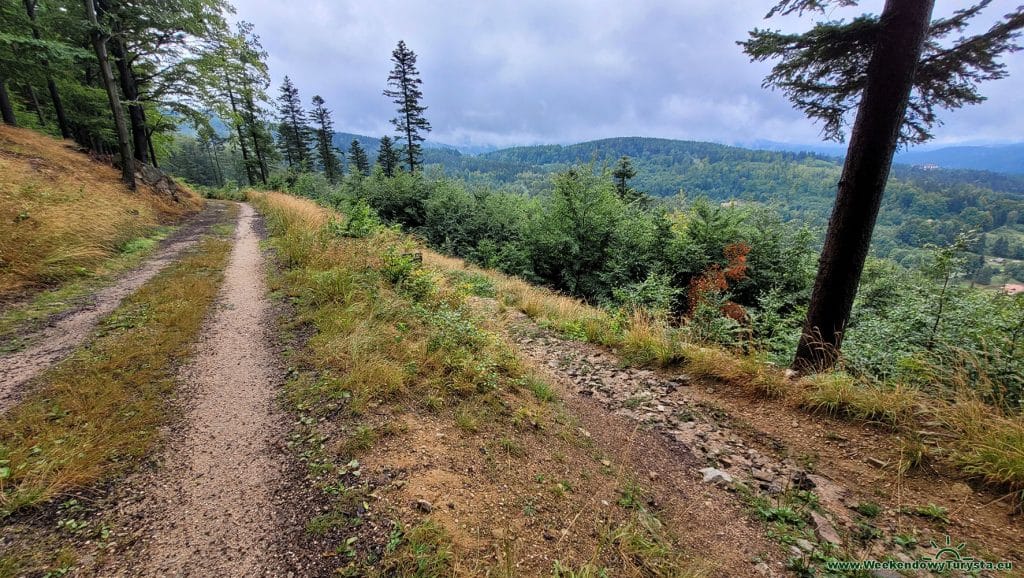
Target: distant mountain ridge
1008, 158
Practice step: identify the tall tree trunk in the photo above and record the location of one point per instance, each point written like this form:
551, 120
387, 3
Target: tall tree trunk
58, 104
130, 89
152, 149
31, 92
99, 44
6, 110
238, 128
250, 110
890, 77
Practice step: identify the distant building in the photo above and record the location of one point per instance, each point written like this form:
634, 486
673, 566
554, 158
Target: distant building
928, 167
1013, 288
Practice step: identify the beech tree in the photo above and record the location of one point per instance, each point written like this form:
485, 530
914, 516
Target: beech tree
404, 82
99, 43
896, 70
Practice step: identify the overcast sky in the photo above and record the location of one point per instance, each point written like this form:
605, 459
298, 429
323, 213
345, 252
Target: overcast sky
507, 72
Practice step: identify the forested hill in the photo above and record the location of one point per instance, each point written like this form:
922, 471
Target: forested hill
921, 206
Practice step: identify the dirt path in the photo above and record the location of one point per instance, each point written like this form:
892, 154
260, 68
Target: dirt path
64, 333
774, 449
209, 510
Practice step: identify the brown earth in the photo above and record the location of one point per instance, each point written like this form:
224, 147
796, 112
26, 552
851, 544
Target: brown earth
209, 508
773, 447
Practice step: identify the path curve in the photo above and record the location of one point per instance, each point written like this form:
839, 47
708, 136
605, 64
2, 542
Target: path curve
58, 339
209, 509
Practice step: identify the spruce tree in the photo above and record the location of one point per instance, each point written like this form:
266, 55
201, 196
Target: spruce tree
895, 69
387, 158
358, 162
293, 132
324, 135
623, 172
404, 82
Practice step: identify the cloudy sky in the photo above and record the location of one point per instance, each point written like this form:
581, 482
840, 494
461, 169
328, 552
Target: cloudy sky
507, 72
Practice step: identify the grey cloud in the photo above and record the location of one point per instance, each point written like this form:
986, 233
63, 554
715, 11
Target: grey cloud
530, 71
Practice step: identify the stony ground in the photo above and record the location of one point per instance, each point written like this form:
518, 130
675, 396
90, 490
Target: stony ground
862, 505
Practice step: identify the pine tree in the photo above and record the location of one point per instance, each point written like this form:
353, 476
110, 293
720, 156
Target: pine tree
324, 134
293, 132
358, 162
405, 82
623, 172
895, 70
387, 158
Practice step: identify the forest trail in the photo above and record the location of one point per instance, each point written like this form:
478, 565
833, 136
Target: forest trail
777, 450
208, 509
68, 330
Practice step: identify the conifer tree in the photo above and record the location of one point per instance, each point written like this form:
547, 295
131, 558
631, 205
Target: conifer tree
324, 134
358, 162
623, 172
895, 70
404, 82
387, 158
293, 132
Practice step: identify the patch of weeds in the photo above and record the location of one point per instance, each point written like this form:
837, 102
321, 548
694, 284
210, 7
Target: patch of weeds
541, 389
529, 508
932, 512
511, 447
868, 509
865, 532
422, 551
560, 570
632, 496
472, 283
467, 419
905, 541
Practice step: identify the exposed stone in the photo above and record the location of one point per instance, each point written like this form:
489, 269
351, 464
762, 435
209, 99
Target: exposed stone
825, 529
424, 506
716, 476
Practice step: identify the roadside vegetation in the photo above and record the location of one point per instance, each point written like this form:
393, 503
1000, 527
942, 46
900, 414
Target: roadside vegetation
95, 414
63, 216
953, 362
388, 336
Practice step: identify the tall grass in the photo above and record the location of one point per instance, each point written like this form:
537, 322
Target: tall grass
62, 214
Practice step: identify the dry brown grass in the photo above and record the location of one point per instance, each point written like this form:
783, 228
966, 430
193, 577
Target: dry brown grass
62, 214
94, 413
393, 340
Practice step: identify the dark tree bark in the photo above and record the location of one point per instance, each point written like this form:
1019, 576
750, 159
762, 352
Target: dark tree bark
99, 44
152, 149
130, 89
6, 110
249, 173
250, 113
31, 92
58, 104
873, 141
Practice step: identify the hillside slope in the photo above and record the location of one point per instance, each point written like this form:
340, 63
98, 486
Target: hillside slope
63, 213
